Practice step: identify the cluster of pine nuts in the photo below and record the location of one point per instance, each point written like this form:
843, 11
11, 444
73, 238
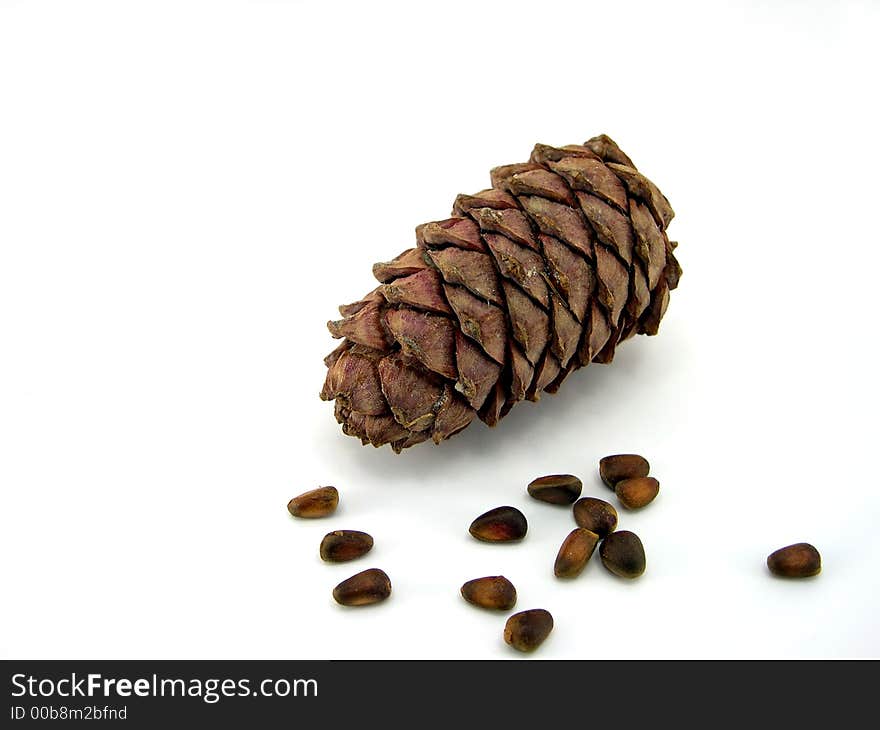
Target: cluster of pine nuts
620, 551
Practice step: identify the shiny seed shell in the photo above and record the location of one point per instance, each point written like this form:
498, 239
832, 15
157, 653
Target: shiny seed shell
502, 524
595, 515
315, 503
556, 488
362, 589
526, 631
623, 554
800, 560
622, 466
342, 545
575, 552
637, 492
493, 591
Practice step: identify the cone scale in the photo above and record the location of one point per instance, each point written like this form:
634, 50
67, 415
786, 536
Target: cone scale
549, 270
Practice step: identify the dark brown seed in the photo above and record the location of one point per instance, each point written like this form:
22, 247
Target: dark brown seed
595, 515
575, 552
623, 554
502, 524
315, 503
491, 592
800, 560
637, 492
526, 631
622, 466
342, 545
556, 488
370, 586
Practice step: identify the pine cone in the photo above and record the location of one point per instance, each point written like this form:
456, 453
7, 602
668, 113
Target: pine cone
562, 259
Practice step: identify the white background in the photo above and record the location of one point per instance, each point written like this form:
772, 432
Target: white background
187, 191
